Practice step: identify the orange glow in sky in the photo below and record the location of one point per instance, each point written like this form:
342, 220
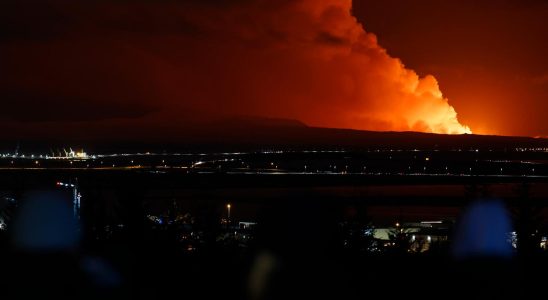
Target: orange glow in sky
145, 67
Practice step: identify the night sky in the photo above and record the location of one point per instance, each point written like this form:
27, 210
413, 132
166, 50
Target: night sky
136, 68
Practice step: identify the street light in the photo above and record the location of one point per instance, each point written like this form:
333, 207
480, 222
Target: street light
77, 197
228, 210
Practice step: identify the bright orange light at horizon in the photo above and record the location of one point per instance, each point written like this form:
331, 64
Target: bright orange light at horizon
356, 83
321, 68
307, 60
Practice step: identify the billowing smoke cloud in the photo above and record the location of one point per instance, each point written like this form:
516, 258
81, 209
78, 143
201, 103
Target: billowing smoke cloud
303, 59
313, 61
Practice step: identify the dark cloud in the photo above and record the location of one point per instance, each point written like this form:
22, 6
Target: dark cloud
28, 106
34, 21
76, 79
328, 38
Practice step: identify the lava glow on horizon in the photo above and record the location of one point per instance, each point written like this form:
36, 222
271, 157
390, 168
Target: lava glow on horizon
391, 96
128, 66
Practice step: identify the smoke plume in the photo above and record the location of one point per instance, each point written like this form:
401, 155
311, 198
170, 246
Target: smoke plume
309, 60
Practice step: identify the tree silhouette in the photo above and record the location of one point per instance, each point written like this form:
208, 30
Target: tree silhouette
399, 239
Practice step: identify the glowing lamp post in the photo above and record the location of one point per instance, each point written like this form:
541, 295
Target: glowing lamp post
228, 212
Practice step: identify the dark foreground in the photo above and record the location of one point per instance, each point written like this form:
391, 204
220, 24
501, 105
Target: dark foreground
158, 235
